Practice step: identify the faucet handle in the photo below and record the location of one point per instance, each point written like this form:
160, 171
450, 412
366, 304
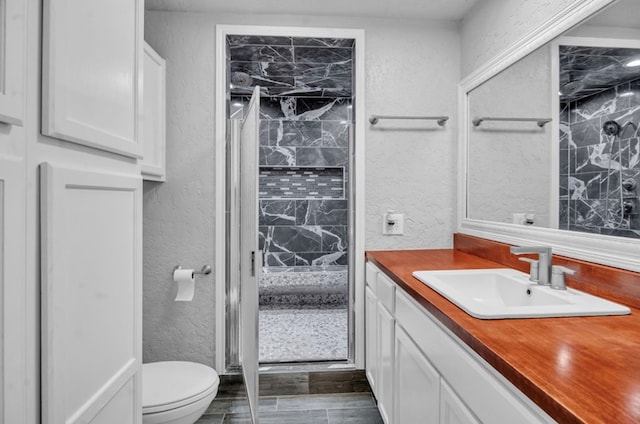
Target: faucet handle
557, 276
533, 268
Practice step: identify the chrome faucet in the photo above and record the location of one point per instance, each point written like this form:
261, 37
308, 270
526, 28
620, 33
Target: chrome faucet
544, 261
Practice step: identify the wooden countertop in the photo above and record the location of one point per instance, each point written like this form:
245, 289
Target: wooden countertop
578, 370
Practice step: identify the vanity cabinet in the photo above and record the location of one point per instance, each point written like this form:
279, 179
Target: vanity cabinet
380, 332
433, 376
154, 116
417, 383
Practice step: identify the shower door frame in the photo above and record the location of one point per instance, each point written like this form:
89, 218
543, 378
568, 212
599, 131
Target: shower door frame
356, 197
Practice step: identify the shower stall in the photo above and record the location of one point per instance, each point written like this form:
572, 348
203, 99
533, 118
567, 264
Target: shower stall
304, 207
599, 141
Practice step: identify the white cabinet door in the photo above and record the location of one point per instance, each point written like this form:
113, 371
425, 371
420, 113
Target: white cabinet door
371, 339
13, 35
91, 244
12, 290
416, 383
452, 410
92, 73
385, 389
154, 116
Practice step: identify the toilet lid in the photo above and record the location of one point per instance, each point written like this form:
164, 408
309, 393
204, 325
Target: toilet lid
167, 385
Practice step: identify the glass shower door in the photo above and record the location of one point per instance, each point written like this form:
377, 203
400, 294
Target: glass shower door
250, 255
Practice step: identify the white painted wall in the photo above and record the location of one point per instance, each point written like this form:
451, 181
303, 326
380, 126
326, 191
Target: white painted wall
510, 162
493, 25
411, 68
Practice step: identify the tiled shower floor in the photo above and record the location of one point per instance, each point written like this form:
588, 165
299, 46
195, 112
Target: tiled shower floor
309, 334
303, 316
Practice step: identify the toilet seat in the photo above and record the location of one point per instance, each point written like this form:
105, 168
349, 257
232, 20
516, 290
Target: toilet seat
175, 384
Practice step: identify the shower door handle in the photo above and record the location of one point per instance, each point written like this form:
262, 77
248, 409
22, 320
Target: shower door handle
256, 266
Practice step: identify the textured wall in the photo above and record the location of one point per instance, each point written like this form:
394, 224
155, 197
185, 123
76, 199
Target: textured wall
412, 67
493, 25
510, 163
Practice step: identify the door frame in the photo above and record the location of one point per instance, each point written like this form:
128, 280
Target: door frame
358, 231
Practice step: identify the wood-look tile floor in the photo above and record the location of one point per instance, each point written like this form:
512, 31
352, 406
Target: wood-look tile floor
339, 408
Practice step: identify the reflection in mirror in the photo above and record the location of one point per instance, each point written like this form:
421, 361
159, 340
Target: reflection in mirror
599, 151
582, 171
509, 164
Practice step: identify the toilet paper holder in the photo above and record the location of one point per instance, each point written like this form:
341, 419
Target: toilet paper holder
206, 269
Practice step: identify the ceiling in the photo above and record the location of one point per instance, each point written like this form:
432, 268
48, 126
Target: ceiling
413, 9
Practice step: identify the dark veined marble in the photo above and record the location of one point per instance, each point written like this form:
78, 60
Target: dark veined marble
305, 109
239, 40
598, 170
587, 70
321, 212
261, 53
284, 66
295, 133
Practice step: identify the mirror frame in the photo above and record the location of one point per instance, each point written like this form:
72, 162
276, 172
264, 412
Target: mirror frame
608, 250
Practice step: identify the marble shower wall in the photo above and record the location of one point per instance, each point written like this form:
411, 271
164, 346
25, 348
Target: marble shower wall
593, 165
306, 113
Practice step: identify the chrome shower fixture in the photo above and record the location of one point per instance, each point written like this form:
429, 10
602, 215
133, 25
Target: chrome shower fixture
611, 128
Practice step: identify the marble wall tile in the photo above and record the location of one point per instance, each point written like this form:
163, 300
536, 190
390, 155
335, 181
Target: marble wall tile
321, 212
279, 259
304, 54
601, 104
334, 238
586, 133
564, 126
321, 258
564, 159
240, 40
295, 133
277, 156
277, 212
306, 90
324, 42
262, 53
601, 163
335, 134
297, 238
321, 156
342, 69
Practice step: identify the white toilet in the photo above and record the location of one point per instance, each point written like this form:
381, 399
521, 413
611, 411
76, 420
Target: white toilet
176, 392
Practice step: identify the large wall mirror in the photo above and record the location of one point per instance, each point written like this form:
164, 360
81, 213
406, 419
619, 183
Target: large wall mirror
550, 143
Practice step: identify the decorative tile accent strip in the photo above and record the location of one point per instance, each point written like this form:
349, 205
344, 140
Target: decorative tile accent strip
298, 183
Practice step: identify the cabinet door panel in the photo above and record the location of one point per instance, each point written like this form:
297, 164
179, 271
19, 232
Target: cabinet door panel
12, 60
386, 349
371, 329
154, 117
12, 290
91, 296
92, 73
417, 384
452, 409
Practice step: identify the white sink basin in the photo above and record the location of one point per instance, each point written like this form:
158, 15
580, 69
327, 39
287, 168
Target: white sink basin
508, 293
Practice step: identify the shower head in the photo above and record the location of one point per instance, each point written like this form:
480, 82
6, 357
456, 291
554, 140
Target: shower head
241, 79
570, 88
611, 128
